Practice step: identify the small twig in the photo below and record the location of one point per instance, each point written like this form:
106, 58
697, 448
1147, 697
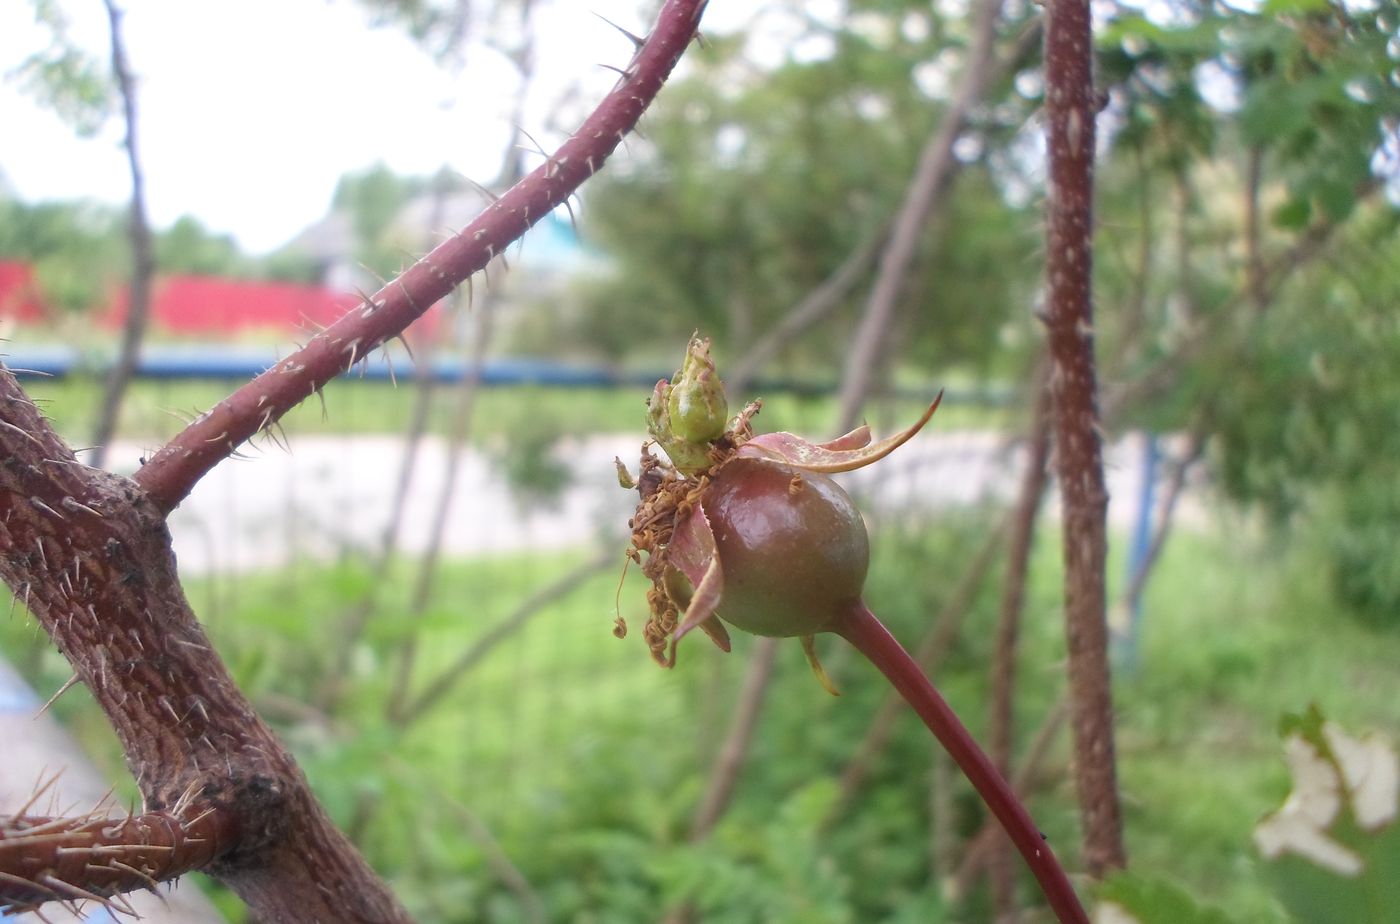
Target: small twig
724, 775
1021, 540
143, 265
927, 194
441, 685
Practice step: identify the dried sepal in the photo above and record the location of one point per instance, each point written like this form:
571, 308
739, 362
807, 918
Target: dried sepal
843, 454
694, 554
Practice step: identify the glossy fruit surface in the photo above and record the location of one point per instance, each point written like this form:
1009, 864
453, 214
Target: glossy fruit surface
792, 545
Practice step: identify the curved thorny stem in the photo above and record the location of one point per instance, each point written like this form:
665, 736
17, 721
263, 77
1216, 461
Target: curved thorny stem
171, 474
873, 640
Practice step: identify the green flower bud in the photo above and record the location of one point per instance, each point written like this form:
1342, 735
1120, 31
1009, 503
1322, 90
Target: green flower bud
697, 405
688, 457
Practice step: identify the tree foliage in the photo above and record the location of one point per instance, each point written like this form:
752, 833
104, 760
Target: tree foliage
752, 186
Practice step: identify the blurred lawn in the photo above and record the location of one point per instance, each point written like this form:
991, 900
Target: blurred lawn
572, 748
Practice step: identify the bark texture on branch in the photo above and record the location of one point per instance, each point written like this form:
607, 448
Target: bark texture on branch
92, 858
89, 555
1071, 105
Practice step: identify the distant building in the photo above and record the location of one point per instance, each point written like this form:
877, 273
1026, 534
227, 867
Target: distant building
550, 254
210, 308
195, 306
20, 300
190, 306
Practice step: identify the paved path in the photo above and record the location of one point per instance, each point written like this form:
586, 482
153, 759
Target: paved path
333, 494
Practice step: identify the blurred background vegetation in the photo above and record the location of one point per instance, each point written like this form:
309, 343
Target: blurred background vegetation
1248, 311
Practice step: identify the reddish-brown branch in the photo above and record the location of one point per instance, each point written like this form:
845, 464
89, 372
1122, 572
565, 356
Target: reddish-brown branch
90, 556
172, 473
936, 643
870, 637
1070, 108
71, 859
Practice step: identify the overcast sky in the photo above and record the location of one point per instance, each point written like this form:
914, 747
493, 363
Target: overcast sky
250, 111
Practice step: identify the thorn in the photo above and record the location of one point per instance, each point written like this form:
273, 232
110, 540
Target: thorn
53, 881
573, 222
21, 431
71, 503
67, 685
408, 296
637, 41
406, 348
538, 148
625, 73
389, 362
482, 189
43, 787
46, 508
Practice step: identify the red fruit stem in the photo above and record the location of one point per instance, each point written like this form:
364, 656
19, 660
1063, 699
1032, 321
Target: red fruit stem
870, 637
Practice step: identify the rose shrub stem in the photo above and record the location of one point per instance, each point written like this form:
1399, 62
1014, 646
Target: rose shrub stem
863, 630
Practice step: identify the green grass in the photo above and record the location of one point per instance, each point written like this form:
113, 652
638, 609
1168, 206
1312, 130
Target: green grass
156, 410
584, 759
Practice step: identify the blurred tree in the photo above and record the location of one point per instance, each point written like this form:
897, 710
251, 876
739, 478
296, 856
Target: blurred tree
371, 198
753, 186
1256, 307
189, 247
76, 248
75, 85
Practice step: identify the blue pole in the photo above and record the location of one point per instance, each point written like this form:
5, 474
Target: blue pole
1140, 544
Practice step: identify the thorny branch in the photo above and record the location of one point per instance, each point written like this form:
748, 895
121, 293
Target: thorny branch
98, 858
172, 473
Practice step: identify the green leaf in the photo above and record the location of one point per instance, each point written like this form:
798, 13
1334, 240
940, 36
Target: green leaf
1152, 900
1293, 214
1295, 7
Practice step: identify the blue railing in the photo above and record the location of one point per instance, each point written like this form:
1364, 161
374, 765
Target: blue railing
241, 363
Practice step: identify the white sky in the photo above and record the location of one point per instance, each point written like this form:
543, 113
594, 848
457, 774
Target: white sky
249, 112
